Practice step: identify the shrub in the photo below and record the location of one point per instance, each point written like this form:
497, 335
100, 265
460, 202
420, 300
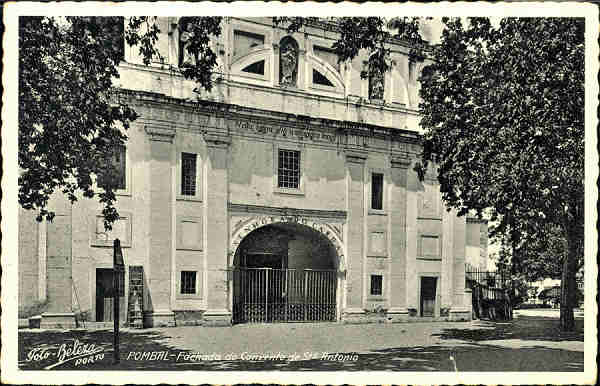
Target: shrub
36, 308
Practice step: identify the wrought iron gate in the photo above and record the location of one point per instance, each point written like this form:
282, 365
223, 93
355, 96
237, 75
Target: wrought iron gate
283, 295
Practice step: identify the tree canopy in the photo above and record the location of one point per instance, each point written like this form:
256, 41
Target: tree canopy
503, 111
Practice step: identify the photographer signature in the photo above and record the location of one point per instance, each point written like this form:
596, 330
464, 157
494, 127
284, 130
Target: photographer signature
80, 352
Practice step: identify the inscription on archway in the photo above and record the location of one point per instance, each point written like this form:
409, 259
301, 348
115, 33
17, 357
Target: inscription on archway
331, 231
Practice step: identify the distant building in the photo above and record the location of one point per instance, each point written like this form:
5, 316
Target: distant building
287, 194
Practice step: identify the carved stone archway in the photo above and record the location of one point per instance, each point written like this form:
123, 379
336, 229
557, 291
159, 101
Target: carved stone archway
332, 231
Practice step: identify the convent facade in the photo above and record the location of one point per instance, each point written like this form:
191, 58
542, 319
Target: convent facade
287, 193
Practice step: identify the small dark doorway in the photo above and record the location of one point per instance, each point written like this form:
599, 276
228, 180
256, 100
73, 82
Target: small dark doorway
264, 260
428, 295
105, 295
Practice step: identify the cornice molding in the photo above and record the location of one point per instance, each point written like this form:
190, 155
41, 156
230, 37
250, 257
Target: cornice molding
160, 134
269, 210
400, 161
232, 111
356, 156
217, 140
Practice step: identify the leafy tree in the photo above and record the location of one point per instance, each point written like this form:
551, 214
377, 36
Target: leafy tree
503, 110
70, 122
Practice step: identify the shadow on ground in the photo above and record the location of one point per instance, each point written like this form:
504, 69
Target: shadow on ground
468, 355
524, 328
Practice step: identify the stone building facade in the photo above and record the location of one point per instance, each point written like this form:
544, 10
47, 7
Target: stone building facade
286, 193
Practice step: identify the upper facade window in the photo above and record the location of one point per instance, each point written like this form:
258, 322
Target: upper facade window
288, 175
121, 166
377, 191
118, 174
288, 62
188, 174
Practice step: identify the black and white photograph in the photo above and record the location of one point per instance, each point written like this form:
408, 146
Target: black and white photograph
299, 193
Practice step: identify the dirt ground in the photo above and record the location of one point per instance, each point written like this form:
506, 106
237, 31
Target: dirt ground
530, 342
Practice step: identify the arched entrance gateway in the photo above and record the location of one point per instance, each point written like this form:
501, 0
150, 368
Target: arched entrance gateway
286, 269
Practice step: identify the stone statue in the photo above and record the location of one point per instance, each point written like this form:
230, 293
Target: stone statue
185, 35
288, 63
376, 86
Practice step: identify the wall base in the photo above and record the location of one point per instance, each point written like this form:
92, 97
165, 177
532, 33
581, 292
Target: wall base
460, 314
356, 316
65, 320
216, 318
189, 318
159, 319
397, 315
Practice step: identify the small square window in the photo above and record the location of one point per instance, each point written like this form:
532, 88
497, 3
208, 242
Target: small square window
376, 285
288, 173
188, 282
377, 191
188, 174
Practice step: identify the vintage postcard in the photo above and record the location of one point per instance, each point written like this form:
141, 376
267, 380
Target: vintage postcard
299, 193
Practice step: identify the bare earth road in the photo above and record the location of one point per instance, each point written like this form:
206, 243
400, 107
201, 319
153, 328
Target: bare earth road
531, 342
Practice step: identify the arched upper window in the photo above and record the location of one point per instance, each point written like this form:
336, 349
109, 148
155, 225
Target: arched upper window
288, 61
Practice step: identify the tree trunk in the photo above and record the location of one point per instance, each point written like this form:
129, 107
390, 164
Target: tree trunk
568, 285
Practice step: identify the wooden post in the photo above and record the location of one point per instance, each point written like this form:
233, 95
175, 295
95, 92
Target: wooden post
118, 267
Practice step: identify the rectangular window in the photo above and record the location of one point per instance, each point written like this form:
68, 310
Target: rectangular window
121, 166
376, 284
377, 191
116, 172
188, 174
188, 282
288, 175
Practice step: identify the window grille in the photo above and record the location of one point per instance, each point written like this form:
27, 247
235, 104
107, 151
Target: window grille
377, 191
188, 282
376, 284
188, 174
288, 175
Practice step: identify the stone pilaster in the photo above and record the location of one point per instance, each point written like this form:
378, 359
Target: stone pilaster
398, 311
59, 311
161, 228
355, 162
217, 230
275, 63
303, 79
411, 271
459, 310
447, 258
